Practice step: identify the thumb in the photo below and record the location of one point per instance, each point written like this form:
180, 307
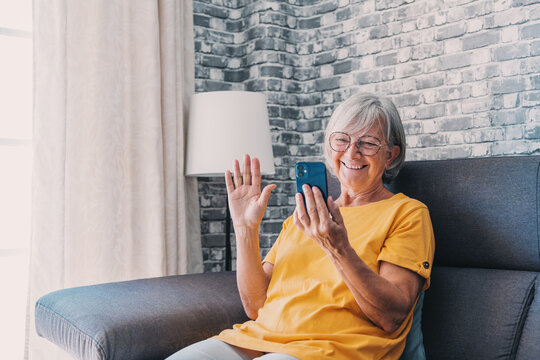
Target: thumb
334, 211
265, 194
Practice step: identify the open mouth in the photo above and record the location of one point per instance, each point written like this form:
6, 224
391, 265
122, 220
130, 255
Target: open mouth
354, 167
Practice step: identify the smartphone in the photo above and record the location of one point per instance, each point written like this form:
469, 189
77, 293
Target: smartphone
313, 174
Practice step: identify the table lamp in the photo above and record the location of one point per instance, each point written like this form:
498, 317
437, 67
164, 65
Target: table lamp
223, 126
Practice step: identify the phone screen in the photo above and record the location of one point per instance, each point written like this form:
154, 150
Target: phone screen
313, 174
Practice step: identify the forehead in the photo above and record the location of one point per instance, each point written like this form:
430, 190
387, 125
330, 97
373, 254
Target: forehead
375, 129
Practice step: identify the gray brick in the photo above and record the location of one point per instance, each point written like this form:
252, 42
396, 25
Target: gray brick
279, 150
530, 31
343, 14
324, 58
308, 99
430, 111
433, 80
407, 100
427, 50
531, 99
290, 113
201, 20
386, 60
273, 84
450, 31
508, 85
480, 40
272, 71
255, 85
210, 85
210, 10
312, 23
512, 51
306, 125
306, 73
213, 240
342, 67
456, 123
236, 75
235, 25
409, 69
214, 61
454, 61
366, 77
535, 48
379, 32
507, 117
412, 127
327, 84
367, 21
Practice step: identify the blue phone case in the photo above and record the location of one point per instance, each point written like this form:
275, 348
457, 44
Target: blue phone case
313, 174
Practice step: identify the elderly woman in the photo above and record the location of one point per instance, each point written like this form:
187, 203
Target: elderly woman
341, 281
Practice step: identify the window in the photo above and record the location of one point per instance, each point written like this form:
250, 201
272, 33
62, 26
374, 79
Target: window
15, 164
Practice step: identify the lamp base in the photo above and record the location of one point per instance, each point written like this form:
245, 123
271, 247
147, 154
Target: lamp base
228, 250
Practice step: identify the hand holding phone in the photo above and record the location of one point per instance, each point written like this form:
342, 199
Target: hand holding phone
313, 174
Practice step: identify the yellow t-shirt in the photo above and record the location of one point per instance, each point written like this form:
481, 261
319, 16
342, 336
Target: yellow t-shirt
310, 313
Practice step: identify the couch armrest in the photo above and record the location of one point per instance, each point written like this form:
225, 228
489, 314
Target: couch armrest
140, 319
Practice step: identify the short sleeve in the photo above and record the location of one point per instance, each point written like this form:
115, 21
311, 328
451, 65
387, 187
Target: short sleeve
271, 256
411, 243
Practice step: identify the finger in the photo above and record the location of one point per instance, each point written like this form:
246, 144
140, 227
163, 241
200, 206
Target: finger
334, 211
237, 176
265, 195
301, 213
256, 180
246, 175
322, 210
296, 221
310, 204
229, 182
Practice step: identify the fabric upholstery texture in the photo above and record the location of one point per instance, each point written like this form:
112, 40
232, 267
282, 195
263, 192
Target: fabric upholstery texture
140, 319
483, 302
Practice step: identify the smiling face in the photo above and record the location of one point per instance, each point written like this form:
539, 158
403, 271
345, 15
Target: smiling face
357, 172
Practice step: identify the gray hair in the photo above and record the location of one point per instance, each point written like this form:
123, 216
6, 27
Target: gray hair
359, 113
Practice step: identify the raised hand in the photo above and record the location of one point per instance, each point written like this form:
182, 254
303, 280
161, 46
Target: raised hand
247, 202
322, 224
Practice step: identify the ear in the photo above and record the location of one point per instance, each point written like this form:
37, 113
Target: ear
392, 155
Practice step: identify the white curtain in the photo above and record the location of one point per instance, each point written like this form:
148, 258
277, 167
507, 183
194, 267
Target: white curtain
113, 79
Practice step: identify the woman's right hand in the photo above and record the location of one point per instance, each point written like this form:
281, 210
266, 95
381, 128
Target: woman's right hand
246, 201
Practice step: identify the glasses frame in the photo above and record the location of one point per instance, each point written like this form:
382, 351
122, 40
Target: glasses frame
355, 143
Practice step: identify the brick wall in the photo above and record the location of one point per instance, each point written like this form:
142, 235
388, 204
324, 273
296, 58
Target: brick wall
465, 76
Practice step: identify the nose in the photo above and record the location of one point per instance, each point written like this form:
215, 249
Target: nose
354, 148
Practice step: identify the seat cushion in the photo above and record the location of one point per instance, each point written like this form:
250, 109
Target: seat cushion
476, 313
141, 319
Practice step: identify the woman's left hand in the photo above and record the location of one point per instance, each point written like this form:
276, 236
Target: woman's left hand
322, 224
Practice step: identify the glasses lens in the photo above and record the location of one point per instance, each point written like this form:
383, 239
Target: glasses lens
339, 141
368, 146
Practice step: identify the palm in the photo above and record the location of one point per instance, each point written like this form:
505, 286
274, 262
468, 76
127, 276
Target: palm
247, 202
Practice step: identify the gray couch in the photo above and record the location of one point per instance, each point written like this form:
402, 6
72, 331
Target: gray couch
484, 302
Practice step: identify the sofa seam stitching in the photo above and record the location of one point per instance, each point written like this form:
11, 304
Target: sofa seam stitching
522, 317
64, 319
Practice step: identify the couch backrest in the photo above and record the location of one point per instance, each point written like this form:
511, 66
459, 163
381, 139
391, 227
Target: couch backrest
483, 302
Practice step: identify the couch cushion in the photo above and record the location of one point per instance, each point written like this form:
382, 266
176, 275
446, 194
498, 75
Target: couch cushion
529, 345
485, 212
476, 313
141, 319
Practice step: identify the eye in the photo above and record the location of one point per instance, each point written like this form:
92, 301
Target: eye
369, 142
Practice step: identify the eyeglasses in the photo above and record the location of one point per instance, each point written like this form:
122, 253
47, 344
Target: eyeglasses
367, 145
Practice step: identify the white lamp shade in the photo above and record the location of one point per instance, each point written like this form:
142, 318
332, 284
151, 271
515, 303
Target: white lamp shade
223, 126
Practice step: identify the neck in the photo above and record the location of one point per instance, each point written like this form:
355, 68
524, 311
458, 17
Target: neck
352, 197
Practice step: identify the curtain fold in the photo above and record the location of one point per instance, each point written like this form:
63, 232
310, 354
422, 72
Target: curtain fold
112, 85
